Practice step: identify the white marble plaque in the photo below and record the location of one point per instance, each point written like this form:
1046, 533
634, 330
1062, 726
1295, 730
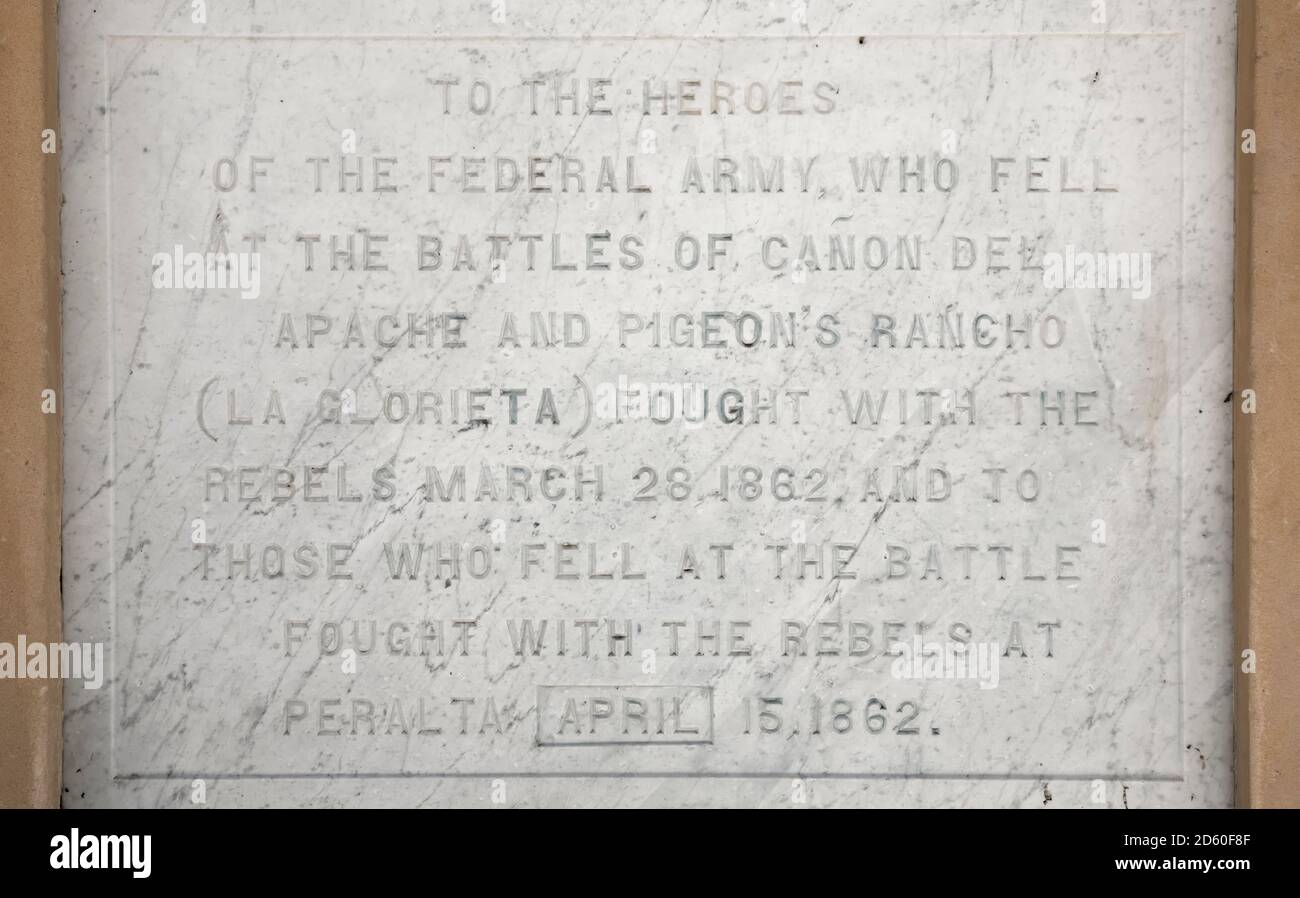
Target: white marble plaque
472, 404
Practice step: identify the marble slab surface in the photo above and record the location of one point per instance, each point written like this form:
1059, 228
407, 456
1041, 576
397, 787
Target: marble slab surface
638, 406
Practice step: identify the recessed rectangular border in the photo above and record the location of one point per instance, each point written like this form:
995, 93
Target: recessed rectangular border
614, 38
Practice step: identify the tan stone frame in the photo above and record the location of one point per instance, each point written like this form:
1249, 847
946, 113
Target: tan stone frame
1266, 444
31, 482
